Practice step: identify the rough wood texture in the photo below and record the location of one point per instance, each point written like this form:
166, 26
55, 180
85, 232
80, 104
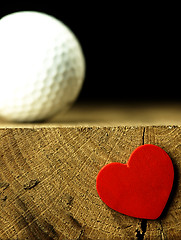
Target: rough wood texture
48, 183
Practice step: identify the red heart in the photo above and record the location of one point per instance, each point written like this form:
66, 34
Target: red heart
141, 187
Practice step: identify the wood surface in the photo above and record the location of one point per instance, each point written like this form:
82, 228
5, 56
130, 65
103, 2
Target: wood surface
110, 114
48, 182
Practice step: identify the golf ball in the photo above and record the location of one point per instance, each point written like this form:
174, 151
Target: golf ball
41, 66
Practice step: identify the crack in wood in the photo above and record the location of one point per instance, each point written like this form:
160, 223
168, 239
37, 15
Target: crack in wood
3, 198
81, 235
31, 184
75, 222
4, 185
141, 230
161, 231
77, 225
143, 136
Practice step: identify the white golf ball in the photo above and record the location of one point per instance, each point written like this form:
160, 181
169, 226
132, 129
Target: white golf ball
41, 66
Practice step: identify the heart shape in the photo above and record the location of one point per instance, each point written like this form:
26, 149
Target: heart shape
141, 187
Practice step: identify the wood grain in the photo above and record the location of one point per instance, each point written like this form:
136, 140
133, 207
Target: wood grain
48, 176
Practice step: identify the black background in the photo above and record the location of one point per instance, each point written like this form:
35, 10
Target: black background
131, 51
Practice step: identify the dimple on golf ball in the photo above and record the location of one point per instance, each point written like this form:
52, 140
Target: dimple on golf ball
42, 66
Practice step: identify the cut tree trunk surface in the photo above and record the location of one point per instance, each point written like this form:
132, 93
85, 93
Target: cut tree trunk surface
48, 173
